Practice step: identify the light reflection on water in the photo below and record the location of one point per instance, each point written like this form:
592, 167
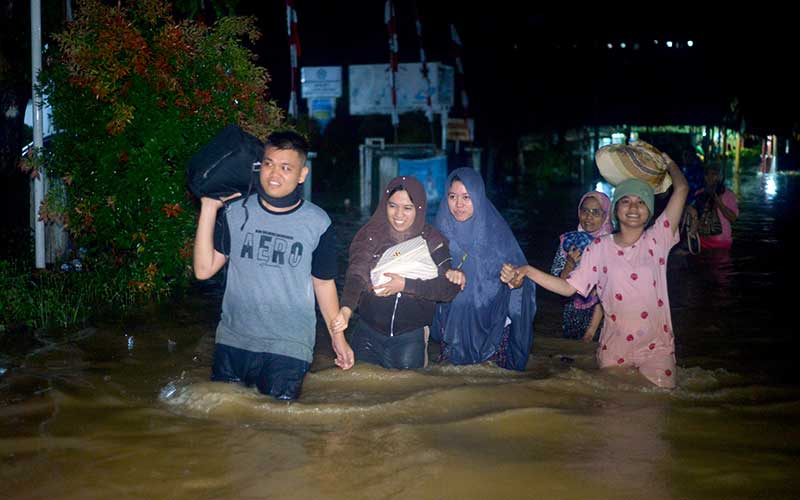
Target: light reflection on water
87, 417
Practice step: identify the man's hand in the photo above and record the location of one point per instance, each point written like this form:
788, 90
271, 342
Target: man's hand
214, 203
206, 261
344, 353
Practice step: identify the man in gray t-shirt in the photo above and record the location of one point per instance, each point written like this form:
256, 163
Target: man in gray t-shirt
280, 251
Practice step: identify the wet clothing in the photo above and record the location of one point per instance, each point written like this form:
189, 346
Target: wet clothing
632, 285
278, 376
578, 310
401, 352
724, 239
574, 320
472, 328
410, 310
268, 306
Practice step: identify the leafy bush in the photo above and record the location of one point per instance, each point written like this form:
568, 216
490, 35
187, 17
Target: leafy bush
56, 298
134, 93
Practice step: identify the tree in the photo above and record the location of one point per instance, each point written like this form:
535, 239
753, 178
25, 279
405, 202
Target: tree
134, 93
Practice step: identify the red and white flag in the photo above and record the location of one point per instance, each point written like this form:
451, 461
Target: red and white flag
424, 69
459, 68
394, 48
294, 56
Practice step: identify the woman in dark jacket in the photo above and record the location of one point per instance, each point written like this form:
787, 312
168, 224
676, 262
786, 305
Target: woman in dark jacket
394, 318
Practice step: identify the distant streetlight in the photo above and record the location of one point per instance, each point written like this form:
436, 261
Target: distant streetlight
669, 44
610, 45
622, 45
690, 43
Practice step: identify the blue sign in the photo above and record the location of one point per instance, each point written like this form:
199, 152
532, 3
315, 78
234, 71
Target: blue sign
323, 110
431, 172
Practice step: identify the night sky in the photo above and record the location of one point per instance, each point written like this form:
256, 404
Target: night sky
532, 69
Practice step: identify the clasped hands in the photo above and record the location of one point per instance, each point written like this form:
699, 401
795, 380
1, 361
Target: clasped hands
511, 276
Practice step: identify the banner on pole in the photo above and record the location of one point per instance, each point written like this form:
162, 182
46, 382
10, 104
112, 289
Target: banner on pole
321, 81
370, 88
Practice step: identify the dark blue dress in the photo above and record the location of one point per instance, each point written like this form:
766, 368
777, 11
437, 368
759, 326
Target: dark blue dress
487, 320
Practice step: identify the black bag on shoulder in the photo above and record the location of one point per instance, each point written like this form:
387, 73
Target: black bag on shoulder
225, 165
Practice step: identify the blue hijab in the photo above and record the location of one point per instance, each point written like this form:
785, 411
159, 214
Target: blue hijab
472, 326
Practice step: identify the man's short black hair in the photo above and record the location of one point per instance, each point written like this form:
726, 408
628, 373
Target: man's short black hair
288, 139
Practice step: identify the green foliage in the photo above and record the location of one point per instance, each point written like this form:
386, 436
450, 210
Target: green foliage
134, 94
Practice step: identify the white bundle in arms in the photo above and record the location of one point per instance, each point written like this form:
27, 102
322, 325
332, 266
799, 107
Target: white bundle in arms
409, 259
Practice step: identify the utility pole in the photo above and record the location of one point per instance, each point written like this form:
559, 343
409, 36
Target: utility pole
38, 140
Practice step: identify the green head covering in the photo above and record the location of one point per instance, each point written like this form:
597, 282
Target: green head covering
637, 188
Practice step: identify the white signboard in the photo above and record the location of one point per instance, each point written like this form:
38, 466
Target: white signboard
321, 81
371, 92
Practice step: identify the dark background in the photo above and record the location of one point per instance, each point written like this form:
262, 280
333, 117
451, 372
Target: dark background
530, 69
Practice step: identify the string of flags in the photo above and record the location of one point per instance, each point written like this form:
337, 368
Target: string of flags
294, 56
390, 19
457, 49
424, 68
394, 49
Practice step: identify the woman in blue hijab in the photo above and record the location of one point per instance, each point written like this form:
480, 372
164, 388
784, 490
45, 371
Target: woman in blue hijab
487, 320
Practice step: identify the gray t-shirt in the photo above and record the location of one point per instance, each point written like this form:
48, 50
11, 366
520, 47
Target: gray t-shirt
269, 298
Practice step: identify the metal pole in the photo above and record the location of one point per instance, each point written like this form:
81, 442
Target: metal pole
444, 118
307, 183
38, 141
724, 154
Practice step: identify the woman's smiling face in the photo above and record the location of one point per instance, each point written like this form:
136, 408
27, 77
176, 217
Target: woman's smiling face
591, 215
632, 211
400, 211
